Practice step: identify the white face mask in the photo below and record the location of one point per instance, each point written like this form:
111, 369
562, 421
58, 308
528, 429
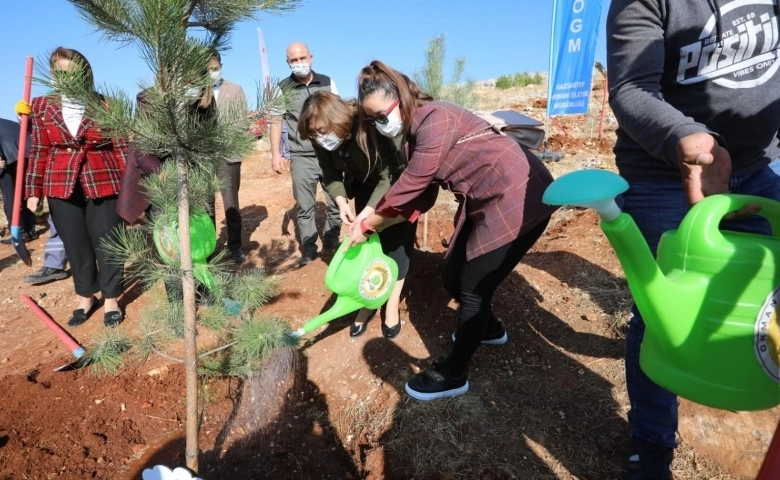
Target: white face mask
393, 127
192, 94
329, 142
216, 76
300, 70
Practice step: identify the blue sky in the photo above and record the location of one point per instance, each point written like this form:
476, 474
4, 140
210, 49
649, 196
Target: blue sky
496, 37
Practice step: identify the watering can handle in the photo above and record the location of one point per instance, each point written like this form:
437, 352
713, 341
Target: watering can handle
704, 218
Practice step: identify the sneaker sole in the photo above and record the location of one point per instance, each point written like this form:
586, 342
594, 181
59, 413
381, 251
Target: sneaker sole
495, 341
426, 397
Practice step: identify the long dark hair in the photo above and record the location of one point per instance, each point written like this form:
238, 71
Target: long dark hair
76, 57
379, 78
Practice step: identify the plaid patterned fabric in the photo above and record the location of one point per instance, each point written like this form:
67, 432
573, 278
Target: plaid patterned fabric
498, 183
132, 201
58, 160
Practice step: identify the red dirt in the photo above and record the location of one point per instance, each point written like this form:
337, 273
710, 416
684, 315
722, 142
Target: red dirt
558, 383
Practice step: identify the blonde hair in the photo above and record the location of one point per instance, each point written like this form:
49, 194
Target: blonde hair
336, 115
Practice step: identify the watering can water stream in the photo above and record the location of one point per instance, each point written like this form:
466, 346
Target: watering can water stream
709, 300
361, 275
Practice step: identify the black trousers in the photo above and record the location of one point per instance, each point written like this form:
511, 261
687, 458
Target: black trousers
82, 224
397, 240
231, 177
472, 283
7, 185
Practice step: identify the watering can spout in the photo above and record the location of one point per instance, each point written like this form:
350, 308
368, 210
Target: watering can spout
597, 189
343, 306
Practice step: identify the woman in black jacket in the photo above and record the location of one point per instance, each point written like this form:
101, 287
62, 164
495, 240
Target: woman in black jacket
353, 168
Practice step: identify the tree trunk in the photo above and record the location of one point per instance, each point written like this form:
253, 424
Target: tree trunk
188, 293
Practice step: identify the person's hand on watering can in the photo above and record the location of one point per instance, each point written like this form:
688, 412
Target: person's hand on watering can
365, 213
361, 230
345, 211
706, 167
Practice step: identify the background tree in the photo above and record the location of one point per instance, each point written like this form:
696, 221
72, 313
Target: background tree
431, 77
176, 38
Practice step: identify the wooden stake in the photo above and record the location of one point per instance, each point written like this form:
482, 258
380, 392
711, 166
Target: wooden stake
188, 290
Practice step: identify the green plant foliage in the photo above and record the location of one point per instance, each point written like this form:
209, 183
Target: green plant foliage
105, 356
210, 366
504, 81
431, 77
518, 80
215, 317
255, 339
252, 288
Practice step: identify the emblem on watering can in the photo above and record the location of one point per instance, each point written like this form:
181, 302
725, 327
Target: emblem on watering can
375, 279
767, 339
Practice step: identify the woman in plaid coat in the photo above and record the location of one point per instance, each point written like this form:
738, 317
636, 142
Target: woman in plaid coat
499, 186
77, 166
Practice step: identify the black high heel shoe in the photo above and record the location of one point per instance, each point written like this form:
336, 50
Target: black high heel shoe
358, 330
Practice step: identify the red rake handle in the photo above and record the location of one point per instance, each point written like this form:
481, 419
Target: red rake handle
20, 170
64, 337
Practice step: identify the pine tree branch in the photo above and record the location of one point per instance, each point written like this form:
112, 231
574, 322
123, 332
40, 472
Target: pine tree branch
149, 334
111, 17
223, 347
190, 10
169, 357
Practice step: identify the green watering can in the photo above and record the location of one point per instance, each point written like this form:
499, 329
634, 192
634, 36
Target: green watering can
709, 301
203, 241
362, 276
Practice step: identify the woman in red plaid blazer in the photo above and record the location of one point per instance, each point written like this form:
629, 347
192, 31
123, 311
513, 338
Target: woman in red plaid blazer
499, 186
77, 167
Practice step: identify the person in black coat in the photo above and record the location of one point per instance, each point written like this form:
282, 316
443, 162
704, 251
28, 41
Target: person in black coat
9, 152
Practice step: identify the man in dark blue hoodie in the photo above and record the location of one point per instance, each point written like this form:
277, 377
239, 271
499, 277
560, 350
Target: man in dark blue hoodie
695, 88
9, 151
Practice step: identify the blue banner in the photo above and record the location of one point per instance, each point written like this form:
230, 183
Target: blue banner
572, 53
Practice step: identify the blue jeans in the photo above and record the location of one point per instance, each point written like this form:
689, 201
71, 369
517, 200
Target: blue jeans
657, 207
